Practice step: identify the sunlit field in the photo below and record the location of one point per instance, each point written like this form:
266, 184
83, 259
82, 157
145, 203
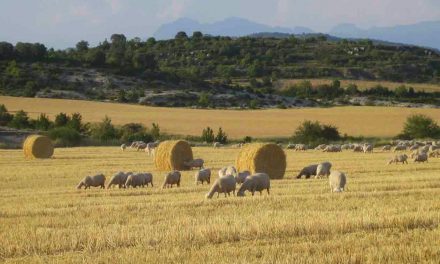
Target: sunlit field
354, 121
388, 214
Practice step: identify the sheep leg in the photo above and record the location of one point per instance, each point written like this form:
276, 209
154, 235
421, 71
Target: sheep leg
268, 191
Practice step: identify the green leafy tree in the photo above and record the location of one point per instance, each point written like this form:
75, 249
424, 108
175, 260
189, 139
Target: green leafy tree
313, 133
20, 120
75, 122
61, 120
208, 135
203, 99
43, 123
65, 136
104, 131
5, 116
155, 131
82, 46
420, 126
221, 136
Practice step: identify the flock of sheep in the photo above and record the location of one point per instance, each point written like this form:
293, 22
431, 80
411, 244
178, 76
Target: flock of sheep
228, 177
225, 183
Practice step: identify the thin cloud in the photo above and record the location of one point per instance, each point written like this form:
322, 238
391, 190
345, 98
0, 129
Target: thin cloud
174, 10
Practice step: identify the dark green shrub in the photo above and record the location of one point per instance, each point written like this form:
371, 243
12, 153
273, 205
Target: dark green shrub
65, 136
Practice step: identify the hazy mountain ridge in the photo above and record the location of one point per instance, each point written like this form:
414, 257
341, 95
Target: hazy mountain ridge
233, 27
426, 34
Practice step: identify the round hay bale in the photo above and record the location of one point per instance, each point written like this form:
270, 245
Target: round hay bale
259, 157
171, 155
38, 147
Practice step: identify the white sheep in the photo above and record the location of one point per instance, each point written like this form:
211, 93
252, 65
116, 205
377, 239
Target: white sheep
255, 183
230, 170
195, 163
399, 148
241, 176
202, 176
171, 178
337, 181
119, 179
421, 157
399, 158
323, 169
139, 180
225, 184
92, 181
308, 171
386, 148
367, 148
123, 147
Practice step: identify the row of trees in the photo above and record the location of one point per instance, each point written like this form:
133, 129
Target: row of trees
305, 89
70, 130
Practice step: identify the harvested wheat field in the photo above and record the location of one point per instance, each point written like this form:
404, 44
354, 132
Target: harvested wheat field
388, 214
355, 121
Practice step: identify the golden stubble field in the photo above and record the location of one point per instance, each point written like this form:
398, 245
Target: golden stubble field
389, 214
355, 121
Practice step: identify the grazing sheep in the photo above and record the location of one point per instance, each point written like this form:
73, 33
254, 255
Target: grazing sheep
146, 178
413, 147
424, 149
202, 176
367, 148
358, 148
291, 146
171, 178
323, 169
119, 179
225, 184
92, 181
257, 182
332, 148
346, 146
321, 147
386, 148
434, 154
241, 176
123, 147
135, 144
433, 148
134, 181
399, 158
216, 144
300, 147
230, 170
141, 146
421, 157
195, 163
337, 181
149, 149
399, 148
308, 171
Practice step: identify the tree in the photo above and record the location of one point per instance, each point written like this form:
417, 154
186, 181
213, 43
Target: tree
82, 46
313, 133
95, 57
155, 131
121, 96
5, 116
221, 136
43, 122
420, 126
20, 120
203, 99
143, 60
75, 122
6, 51
104, 131
61, 120
197, 35
181, 36
65, 136
208, 135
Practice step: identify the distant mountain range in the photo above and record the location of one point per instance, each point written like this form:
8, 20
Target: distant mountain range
233, 27
425, 34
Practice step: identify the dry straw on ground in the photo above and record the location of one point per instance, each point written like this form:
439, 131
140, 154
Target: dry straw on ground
268, 158
171, 155
38, 147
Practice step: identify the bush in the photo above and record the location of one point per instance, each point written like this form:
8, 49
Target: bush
104, 131
313, 133
135, 132
65, 136
420, 126
20, 120
221, 136
5, 117
208, 135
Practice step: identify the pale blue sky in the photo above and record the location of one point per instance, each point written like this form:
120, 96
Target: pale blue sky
61, 23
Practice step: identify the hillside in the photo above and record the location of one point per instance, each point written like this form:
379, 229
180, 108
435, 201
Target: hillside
201, 70
355, 121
